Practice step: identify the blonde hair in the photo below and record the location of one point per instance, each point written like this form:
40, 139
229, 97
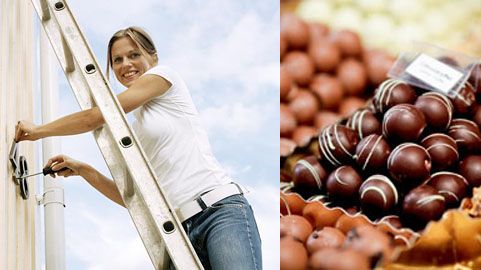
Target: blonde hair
139, 37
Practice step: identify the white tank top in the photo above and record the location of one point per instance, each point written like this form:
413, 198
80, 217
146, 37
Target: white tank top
171, 134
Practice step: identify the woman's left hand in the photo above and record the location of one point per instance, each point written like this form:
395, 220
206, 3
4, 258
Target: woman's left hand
26, 131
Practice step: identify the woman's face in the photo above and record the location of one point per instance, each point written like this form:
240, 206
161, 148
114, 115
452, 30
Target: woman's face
128, 62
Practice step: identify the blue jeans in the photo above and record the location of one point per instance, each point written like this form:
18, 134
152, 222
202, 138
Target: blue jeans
225, 235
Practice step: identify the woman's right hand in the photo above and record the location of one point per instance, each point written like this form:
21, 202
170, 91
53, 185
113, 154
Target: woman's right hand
62, 161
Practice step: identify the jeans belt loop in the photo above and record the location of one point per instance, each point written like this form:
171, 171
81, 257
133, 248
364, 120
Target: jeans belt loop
238, 187
201, 203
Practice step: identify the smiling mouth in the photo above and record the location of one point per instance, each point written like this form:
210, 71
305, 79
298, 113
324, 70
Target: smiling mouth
130, 75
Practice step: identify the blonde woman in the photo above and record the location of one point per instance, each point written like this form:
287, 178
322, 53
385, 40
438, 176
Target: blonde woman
216, 216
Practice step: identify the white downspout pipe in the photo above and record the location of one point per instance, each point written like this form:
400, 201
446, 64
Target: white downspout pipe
53, 197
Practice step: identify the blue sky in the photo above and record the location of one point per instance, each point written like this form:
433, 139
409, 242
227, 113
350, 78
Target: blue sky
228, 54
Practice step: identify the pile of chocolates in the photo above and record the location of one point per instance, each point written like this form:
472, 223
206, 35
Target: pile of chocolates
316, 237
325, 76
410, 153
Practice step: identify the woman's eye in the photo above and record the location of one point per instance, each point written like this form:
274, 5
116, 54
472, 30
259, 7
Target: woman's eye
135, 55
117, 60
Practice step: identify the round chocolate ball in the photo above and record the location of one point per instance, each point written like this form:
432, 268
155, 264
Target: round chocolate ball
302, 135
293, 254
288, 121
329, 91
377, 64
464, 100
295, 226
295, 30
369, 241
351, 104
299, 66
470, 168
372, 153
309, 173
467, 136
339, 259
443, 151
324, 118
304, 106
437, 110
377, 195
409, 164
392, 92
452, 186
353, 76
325, 55
287, 146
286, 83
317, 31
421, 205
324, 238
403, 123
348, 41
477, 116
343, 183
337, 144
365, 123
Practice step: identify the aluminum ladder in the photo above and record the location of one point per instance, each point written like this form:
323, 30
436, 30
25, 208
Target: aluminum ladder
155, 220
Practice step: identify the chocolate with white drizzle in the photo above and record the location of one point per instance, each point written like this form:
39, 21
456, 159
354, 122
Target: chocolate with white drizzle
309, 173
378, 195
372, 153
337, 144
421, 205
467, 136
392, 92
443, 151
343, 183
409, 164
365, 123
452, 186
403, 123
437, 110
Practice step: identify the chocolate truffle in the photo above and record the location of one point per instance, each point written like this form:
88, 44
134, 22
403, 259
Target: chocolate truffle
364, 123
351, 104
372, 153
403, 123
286, 83
295, 226
304, 106
326, 237
293, 255
437, 110
337, 144
377, 64
369, 241
300, 66
464, 100
295, 30
477, 116
323, 119
470, 168
353, 77
348, 41
339, 259
288, 121
309, 173
467, 136
287, 146
317, 31
421, 205
377, 194
302, 135
442, 149
393, 92
325, 55
343, 183
452, 186
409, 164
329, 91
